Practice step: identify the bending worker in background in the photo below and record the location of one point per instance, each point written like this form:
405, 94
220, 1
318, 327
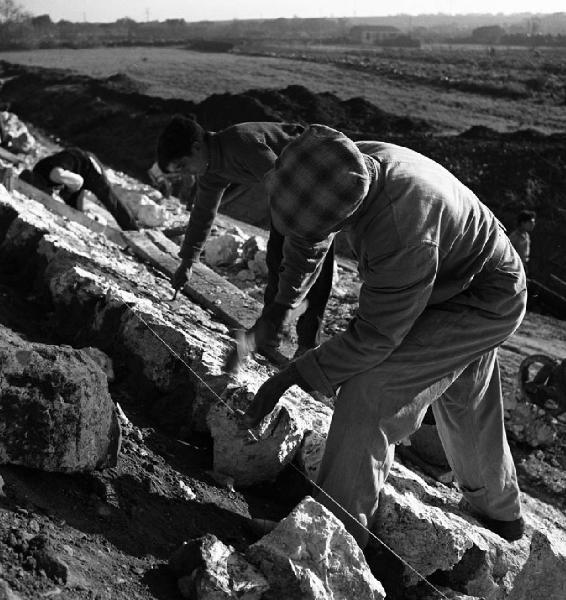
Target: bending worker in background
72, 170
240, 154
442, 288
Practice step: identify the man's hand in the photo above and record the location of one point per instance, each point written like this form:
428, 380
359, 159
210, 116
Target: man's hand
182, 274
269, 394
263, 336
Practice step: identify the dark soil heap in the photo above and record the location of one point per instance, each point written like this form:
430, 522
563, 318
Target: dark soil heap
113, 118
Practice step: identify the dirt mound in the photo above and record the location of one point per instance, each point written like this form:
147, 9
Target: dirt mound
295, 102
120, 82
113, 117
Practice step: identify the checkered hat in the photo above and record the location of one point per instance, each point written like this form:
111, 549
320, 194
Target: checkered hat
318, 181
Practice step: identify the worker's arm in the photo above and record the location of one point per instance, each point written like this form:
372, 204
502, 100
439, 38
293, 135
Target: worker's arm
210, 190
301, 265
395, 292
209, 195
73, 181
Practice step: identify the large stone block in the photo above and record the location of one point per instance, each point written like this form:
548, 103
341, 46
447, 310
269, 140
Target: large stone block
55, 410
414, 517
310, 555
544, 575
253, 456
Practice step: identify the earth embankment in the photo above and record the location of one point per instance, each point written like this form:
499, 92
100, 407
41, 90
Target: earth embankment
115, 119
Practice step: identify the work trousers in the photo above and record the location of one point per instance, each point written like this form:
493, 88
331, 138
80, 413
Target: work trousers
447, 361
309, 324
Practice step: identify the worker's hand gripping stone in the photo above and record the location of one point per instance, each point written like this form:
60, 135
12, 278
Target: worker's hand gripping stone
270, 393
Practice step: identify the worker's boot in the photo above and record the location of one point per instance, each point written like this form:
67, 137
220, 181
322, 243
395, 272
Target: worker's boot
508, 530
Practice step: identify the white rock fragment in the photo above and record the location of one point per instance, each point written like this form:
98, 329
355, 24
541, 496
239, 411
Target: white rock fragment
532, 425
544, 575
187, 491
414, 517
260, 455
310, 555
223, 249
210, 570
146, 211
16, 136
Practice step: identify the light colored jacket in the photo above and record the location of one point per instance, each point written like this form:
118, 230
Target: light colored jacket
420, 236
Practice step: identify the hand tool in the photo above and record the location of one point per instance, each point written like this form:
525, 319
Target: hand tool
244, 344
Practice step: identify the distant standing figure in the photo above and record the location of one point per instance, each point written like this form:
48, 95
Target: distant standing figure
72, 170
521, 236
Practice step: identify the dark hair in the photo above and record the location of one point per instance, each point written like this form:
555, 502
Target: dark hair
177, 139
526, 215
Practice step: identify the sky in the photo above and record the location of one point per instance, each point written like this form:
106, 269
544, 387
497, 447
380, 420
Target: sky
198, 10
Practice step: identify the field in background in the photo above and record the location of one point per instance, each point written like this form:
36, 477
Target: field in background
453, 88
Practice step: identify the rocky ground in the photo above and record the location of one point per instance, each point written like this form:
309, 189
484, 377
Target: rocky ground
110, 533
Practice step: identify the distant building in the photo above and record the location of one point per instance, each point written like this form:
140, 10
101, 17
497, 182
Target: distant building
490, 34
373, 34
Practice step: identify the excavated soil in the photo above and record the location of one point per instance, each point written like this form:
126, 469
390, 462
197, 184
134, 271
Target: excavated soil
113, 118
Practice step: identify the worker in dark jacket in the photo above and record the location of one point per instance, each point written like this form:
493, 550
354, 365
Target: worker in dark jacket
442, 289
72, 170
240, 154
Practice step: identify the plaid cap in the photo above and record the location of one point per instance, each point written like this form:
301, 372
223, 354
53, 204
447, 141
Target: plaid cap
318, 181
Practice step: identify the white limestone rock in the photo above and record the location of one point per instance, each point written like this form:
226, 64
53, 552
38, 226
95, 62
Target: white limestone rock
544, 574
223, 249
17, 137
310, 555
250, 457
210, 570
532, 425
260, 455
147, 212
414, 517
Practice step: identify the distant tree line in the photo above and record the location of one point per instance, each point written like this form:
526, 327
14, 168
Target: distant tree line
20, 30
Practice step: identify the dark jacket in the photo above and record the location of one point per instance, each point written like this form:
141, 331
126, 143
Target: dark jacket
421, 238
240, 154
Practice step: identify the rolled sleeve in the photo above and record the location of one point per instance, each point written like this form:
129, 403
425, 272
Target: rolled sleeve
395, 292
301, 265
